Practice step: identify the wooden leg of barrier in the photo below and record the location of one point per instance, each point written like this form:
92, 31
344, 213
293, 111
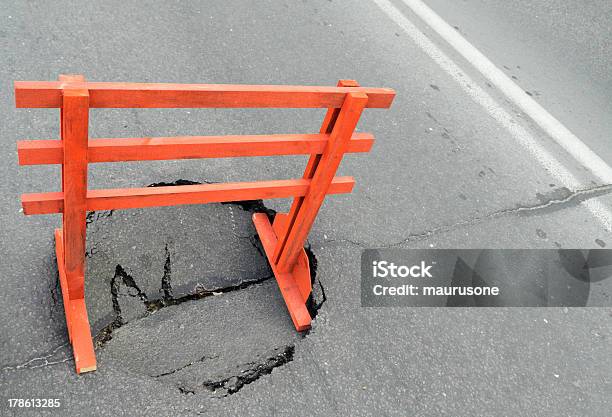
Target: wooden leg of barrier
301, 270
76, 316
70, 241
328, 125
287, 282
290, 266
59, 252
324, 173
283, 222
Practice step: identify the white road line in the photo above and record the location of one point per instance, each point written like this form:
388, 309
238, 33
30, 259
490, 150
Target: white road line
553, 127
525, 139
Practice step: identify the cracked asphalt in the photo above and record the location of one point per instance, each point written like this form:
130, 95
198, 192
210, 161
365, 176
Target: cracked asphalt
187, 317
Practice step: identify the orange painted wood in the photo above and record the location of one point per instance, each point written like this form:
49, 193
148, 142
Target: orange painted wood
74, 126
59, 254
290, 290
77, 321
326, 128
283, 242
42, 203
142, 95
301, 269
38, 152
75, 131
325, 171
82, 344
111, 199
66, 78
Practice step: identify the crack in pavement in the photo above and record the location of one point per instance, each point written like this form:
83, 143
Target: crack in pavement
167, 298
54, 287
563, 198
177, 182
316, 306
151, 306
123, 284
41, 361
233, 384
312, 304
91, 217
97, 215
202, 359
166, 282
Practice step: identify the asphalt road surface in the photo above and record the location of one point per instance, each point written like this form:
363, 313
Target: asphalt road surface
458, 163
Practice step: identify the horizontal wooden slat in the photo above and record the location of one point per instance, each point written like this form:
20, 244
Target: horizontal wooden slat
42, 203
141, 95
124, 198
38, 152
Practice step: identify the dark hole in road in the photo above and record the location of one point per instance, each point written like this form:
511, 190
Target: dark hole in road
234, 343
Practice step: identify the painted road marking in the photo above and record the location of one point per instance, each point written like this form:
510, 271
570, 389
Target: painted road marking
495, 110
553, 127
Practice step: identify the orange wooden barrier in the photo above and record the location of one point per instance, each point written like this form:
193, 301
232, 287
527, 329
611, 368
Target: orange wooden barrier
283, 241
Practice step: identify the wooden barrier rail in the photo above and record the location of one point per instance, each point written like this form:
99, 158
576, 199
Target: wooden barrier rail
125, 198
37, 94
282, 240
39, 152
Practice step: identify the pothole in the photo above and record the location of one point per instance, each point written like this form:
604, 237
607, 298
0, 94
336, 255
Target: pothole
185, 295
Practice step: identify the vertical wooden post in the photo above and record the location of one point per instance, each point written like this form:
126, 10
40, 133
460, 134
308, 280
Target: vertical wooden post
328, 124
325, 170
75, 109
72, 238
59, 237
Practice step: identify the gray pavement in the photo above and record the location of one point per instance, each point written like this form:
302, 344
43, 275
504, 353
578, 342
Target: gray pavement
558, 51
442, 174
